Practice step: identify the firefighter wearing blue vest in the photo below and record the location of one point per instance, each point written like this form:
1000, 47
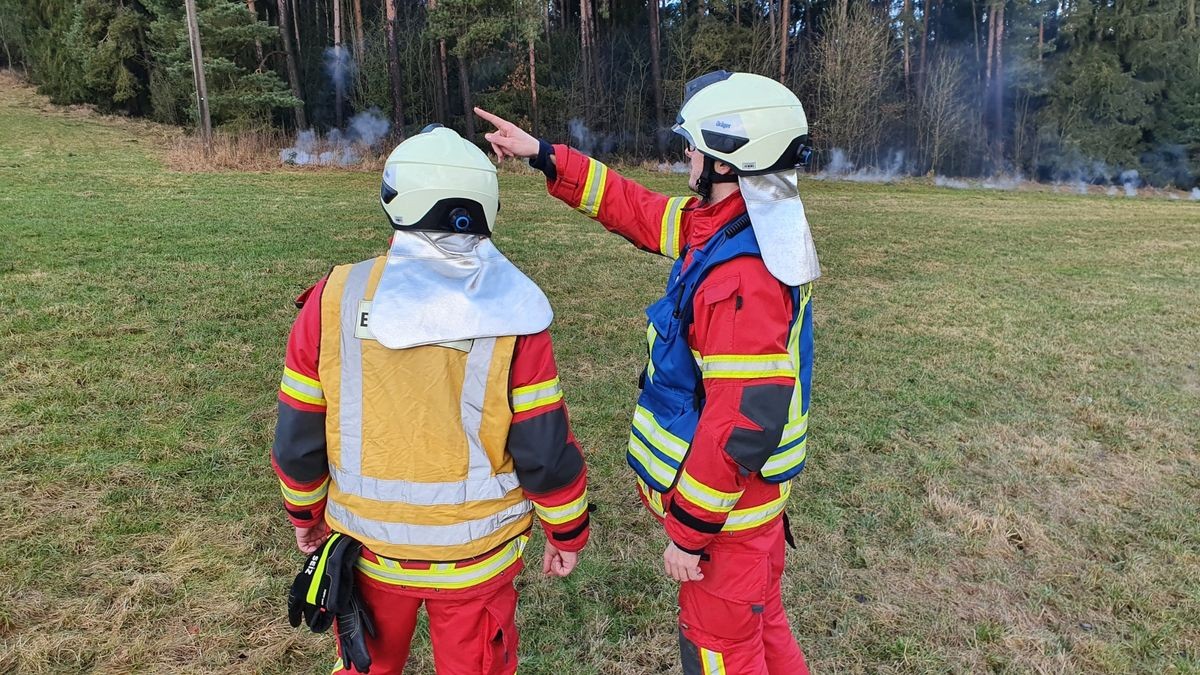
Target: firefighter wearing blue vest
720, 428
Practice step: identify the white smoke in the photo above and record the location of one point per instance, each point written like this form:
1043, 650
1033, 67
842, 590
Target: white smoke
1002, 182
841, 168
339, 67
943, 181
587, 142
1131, 181
1196, 194
677, 167
1112, 191
338, 147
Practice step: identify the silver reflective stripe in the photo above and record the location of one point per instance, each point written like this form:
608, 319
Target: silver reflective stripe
392, 571
302, 387
408, 534
598, 173
350, 395
670, 224
719, 365
551, 389
475, 380
408, 492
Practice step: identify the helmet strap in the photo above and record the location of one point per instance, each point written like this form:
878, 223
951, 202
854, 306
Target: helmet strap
709, 177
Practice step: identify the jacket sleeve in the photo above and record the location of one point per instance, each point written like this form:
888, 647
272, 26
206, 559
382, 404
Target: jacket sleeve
651, 221
298, 453
547, 459
742, 316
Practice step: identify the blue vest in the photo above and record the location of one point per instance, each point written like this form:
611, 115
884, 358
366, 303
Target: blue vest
672, 398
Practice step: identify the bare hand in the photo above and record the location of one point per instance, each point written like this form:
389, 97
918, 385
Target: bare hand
309, 539
508, 140
681, 565
556, 563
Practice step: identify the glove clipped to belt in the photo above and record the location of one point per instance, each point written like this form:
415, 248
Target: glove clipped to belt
324, 590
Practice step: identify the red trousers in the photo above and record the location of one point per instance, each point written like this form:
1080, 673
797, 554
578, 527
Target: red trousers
474, 631
732, 621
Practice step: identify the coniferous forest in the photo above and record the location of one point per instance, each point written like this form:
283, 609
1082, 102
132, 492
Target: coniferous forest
1055, 90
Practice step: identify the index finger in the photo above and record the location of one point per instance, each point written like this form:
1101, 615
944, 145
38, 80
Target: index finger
497, 122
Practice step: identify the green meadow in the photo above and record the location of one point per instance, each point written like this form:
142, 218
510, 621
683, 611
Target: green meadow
1003, 472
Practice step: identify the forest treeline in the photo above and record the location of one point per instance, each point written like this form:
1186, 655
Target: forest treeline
1080, 90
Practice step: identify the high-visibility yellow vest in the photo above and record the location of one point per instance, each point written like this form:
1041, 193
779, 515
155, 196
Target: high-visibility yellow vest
416, 437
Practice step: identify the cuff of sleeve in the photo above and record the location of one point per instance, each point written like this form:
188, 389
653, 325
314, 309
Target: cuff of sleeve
305, 516
571, 540
542, 161
565, 182
689, 533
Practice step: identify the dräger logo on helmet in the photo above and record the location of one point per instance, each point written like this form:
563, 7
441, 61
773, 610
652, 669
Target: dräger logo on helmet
732, 125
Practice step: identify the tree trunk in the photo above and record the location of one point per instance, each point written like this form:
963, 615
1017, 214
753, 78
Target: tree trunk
905, 19
258, 50
924, 40
784, 38
771, 21
339, 64
285, 34
299, 46
656, 76
737, 12
1192, 14
198, 74
464, 87
991, 46
360, 48
998, 81
533, 87
8, 60
585, 45
1041, 36
394, 68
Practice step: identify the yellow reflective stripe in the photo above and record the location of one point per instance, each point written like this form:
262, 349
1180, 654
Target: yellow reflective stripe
668, 238
446, 575
779, 463
301, 387
653, 497
704, 496
557, 515
593, 188
714, 662
664, 440
651, 336
301, 498
747, 365
744, 519
662, 473
794, 429
536, 395
312, 587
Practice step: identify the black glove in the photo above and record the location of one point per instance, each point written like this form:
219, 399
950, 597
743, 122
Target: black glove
325, 585
351, 625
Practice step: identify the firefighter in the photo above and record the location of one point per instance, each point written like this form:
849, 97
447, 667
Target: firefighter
421, 420
720, 427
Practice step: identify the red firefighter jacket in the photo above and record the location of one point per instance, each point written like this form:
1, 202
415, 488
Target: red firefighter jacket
740, 310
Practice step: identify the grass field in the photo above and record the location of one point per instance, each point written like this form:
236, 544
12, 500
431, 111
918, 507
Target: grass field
1003, 471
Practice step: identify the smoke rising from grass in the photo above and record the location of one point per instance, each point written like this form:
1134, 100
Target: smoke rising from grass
339, 148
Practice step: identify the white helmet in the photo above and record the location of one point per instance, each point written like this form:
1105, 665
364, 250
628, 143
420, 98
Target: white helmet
751, 122
436, 181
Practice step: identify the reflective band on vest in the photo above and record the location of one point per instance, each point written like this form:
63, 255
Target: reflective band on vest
447, 576
665, 419
417, 456
738, 519
409, 534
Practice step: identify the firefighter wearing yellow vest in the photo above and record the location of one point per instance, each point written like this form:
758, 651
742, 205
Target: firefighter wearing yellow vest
420, 414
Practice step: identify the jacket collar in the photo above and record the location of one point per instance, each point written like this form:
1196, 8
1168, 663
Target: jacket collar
707, 219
